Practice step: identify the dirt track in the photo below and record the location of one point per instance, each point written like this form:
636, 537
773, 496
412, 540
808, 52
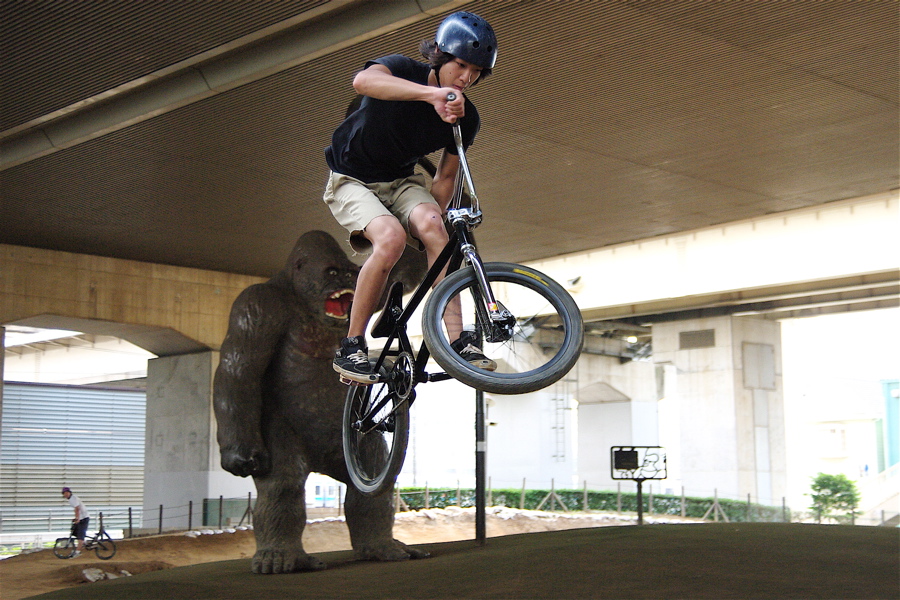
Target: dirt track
31, 574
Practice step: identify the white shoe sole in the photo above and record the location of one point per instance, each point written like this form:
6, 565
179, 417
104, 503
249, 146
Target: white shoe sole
355, 378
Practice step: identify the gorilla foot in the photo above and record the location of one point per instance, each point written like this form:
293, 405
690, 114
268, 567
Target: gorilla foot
391, 551
285, 561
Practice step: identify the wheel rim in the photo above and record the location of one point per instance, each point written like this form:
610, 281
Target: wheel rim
105, 549
540, 335
374, 444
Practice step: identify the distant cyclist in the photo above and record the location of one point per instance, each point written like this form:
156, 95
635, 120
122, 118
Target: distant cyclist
373, 191
82, 518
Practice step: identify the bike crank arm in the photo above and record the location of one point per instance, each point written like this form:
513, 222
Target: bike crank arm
367, 423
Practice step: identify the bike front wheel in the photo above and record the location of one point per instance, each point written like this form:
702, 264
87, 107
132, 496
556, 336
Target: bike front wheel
376, 433
105, 547
65, 547
537, 343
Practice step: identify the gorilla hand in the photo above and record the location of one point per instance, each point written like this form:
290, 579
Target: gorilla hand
243, 461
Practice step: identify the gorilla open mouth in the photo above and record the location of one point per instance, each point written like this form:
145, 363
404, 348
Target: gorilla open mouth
337, 305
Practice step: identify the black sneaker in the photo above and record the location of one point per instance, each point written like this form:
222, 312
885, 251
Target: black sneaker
352, 361
465, 347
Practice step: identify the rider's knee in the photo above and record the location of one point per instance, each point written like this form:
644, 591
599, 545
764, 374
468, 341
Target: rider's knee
388, 245
430, 229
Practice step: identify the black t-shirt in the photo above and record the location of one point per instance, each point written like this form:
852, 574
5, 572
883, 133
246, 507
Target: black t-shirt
383, 139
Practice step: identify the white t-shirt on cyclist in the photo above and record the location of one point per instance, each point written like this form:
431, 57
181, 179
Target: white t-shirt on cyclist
81, 512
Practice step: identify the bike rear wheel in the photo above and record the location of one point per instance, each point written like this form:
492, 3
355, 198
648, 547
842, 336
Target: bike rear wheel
105, 547
375, 439
65, 547
532, 350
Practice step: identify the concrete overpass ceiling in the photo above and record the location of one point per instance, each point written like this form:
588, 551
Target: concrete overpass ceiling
605, 122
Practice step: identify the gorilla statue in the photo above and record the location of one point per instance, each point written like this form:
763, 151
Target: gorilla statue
279, 404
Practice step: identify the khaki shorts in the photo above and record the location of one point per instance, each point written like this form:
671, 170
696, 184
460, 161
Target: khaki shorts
354, 204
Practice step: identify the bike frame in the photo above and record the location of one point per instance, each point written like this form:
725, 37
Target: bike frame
461, 246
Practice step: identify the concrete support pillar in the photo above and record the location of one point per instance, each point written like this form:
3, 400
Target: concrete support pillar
182, 458
729, 401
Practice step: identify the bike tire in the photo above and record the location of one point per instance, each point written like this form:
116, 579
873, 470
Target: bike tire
375, 456
546, 338
65, 547
105, 547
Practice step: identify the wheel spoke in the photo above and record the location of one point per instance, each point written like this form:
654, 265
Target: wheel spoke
376, 429
537, 343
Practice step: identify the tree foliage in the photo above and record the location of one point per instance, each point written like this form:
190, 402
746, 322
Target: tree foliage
834, 496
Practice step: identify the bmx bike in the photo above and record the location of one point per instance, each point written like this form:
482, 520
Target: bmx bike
524, 320
100, 543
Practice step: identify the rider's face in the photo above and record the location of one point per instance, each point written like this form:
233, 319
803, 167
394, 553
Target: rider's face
459, 74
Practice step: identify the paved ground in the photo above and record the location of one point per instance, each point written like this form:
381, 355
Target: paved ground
656, 561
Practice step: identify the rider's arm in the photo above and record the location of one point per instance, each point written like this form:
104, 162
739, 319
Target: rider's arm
377, 81
445, 179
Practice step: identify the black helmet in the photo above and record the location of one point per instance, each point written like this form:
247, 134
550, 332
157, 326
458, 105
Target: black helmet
469, 37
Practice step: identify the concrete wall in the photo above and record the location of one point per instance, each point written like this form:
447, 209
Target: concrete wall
530, 437
182, 456
163, 309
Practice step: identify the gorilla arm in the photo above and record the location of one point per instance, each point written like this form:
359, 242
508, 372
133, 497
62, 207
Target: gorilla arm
258, 320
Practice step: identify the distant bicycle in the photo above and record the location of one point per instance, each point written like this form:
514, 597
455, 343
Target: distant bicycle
100, 543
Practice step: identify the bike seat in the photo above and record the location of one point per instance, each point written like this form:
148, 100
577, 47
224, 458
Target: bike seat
391, 311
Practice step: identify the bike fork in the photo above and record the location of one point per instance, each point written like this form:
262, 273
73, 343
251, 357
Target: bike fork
498, 318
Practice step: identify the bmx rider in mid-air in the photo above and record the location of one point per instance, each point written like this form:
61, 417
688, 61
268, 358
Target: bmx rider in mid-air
372, 189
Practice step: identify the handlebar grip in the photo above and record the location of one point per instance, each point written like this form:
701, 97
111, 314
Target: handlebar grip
451, 97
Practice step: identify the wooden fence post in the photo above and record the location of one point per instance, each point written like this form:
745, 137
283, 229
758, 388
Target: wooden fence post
522, 497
